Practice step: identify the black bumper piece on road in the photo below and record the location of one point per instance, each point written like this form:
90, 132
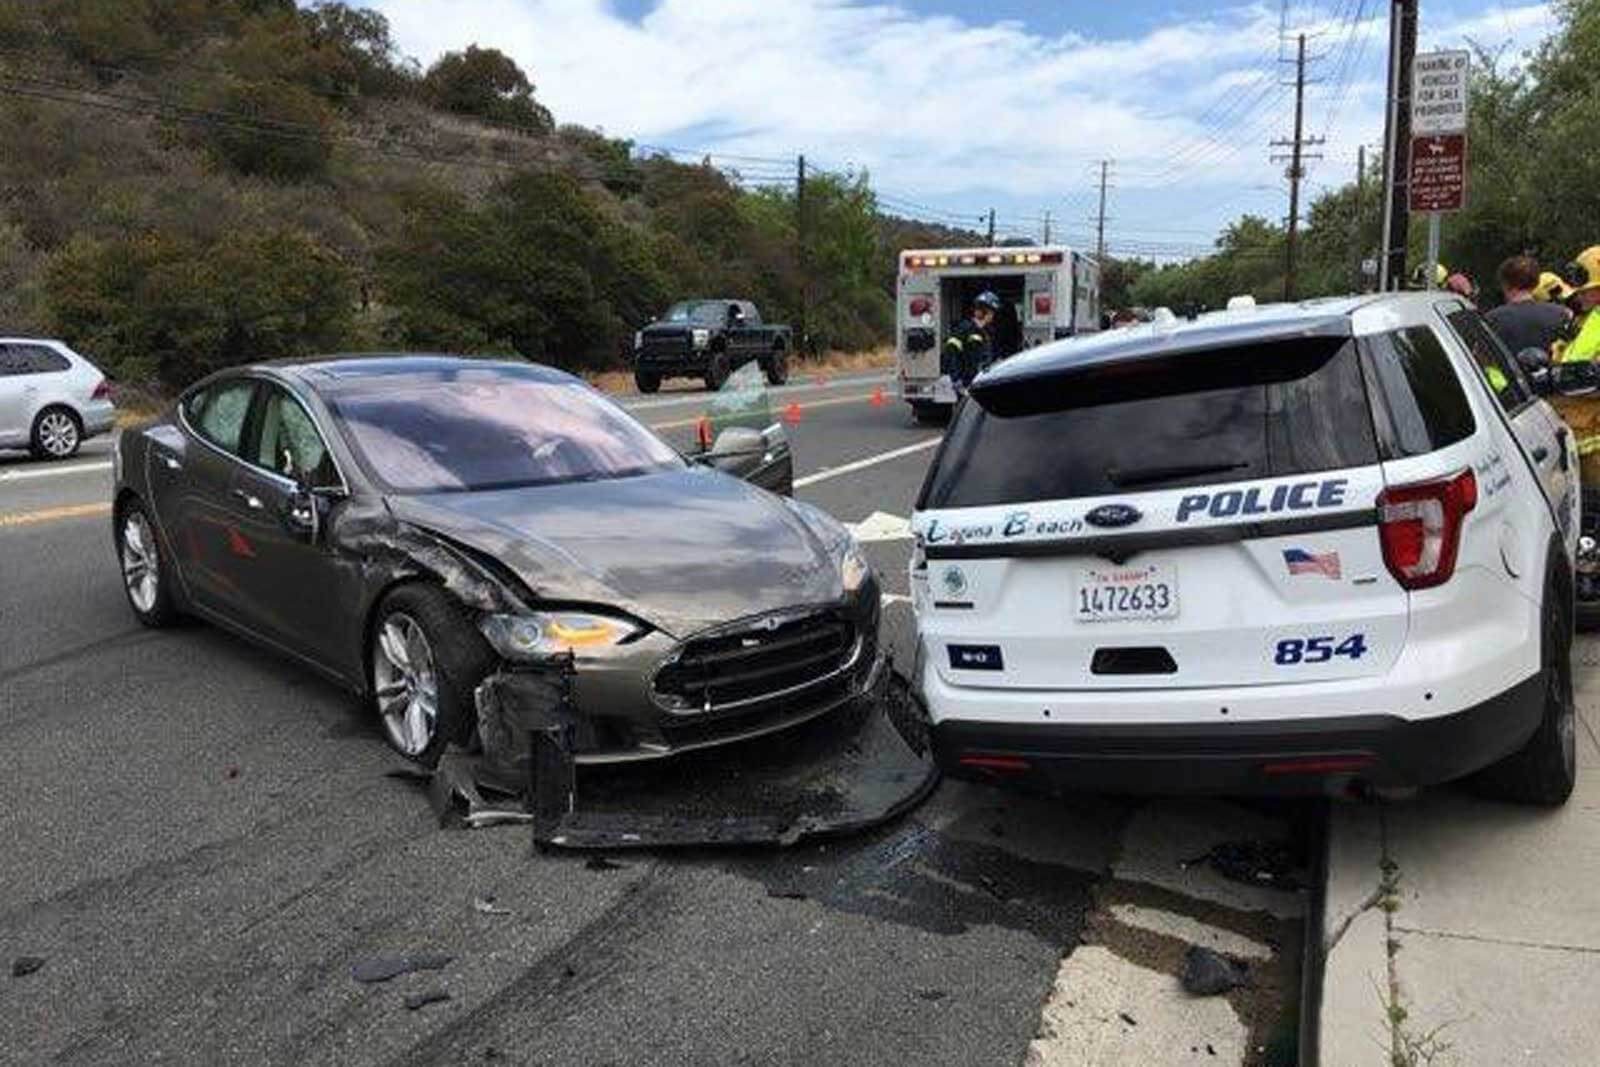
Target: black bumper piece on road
1277, 757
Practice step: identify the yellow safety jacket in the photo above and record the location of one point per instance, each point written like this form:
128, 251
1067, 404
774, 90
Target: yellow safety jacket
1497, 378
1586, 345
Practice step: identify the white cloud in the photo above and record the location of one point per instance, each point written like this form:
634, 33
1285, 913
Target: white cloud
940, 108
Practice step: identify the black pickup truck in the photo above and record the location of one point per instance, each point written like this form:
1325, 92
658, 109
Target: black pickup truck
709, 339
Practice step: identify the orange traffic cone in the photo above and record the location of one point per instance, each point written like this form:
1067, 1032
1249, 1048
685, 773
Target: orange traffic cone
878, 399
702, 431
791, 414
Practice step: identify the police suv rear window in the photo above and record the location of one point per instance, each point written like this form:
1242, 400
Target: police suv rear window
1416, 396
1262, 411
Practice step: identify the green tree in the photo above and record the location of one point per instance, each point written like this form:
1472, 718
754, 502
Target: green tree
159, 307
488, 84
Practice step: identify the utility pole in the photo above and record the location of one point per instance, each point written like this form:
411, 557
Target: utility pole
1397, 144
1357, 281
1100, 219
1297, 170
991, 227
800, 246
1046, 225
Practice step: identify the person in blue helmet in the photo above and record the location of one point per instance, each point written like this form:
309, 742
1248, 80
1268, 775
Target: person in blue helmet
970, 346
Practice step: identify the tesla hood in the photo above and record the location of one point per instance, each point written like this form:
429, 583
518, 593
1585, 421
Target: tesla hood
683, 550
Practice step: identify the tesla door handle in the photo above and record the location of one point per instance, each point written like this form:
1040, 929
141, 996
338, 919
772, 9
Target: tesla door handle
251, 501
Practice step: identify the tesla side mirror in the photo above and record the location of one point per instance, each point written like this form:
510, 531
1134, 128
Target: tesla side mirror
738, 441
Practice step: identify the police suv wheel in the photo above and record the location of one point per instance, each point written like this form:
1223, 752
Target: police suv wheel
1545, 769
646, 381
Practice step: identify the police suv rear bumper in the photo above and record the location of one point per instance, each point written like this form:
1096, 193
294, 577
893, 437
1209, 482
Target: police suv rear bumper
1299, 756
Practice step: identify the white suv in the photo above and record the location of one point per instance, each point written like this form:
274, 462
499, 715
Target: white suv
1280, 549
51, 398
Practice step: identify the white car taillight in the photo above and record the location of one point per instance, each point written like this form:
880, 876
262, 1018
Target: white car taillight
101, 391
1419, 526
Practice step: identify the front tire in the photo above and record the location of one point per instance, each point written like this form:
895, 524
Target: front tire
717, 371
1545, 769
425, 659
777, 367
646, 381
57, 434
146, 573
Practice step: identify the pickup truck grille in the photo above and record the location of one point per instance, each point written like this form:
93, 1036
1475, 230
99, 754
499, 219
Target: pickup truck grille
788, 659
672, 344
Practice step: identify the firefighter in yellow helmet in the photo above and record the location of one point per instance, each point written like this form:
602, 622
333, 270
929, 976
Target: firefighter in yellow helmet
1551, 289
1419, 276
1583, 275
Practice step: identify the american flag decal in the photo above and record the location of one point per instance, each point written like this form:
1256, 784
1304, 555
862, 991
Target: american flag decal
1299, 561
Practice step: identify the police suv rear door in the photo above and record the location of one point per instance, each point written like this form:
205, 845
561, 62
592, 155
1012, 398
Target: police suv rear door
1172, 519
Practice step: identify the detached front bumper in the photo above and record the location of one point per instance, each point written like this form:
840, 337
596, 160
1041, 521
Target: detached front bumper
1306, 755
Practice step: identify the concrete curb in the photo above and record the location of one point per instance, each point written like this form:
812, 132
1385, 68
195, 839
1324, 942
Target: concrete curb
1351, 1014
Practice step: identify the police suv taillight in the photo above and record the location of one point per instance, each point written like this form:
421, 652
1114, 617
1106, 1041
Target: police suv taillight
1419, 526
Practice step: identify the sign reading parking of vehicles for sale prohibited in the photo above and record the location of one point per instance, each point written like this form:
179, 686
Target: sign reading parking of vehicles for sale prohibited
1438, 172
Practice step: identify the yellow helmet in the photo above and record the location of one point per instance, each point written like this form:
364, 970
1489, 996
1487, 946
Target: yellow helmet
1583, 273
1419, 276
1551, 289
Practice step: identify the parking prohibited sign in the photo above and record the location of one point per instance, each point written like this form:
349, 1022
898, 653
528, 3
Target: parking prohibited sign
1438, 173
1439, 93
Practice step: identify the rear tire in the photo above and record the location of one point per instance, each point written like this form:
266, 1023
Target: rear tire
57, 434
930, 414
646, 381
422, 688
777, 367
1545, 769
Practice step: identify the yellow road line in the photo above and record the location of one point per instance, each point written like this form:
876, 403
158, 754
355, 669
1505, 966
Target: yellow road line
70, 511
863, 398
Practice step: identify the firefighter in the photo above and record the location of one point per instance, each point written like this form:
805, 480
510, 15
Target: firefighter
1419, 276
1551, 289
971, 345
1583, 275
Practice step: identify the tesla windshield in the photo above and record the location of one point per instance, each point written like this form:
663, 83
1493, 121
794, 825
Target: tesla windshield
492, 429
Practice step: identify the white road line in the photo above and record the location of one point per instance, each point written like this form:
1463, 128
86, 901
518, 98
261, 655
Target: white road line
862, 464
634, 403
29, 473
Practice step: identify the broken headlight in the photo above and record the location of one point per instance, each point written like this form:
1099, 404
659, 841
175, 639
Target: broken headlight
854, 568
544, 634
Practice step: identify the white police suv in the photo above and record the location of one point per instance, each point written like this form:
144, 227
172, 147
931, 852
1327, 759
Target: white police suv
1279, 549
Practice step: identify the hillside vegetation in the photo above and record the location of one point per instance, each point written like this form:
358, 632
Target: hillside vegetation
188, 184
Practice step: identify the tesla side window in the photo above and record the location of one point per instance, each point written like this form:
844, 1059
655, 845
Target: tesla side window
217, 413
290, 445
493, 429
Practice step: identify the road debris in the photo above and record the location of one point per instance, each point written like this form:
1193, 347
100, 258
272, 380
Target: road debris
23, 966
485, 905
788, 894
931, 994
386, 967
1125, 1017
422, 1000
1207, 973
1269, 864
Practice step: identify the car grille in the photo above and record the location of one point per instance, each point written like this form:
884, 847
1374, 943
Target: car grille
745, 670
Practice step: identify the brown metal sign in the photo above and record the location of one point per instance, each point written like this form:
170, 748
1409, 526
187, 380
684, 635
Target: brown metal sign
1438, 173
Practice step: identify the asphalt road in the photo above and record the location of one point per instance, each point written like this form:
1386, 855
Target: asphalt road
200, 840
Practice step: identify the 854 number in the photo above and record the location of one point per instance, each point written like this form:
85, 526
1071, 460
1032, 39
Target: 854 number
1296, 650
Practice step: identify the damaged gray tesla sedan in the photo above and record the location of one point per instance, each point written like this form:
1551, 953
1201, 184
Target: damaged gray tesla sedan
411, 526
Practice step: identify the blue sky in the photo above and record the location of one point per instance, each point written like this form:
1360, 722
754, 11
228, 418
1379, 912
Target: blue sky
957, 107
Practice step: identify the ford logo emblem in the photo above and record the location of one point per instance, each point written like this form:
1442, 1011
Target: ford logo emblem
1114, 515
